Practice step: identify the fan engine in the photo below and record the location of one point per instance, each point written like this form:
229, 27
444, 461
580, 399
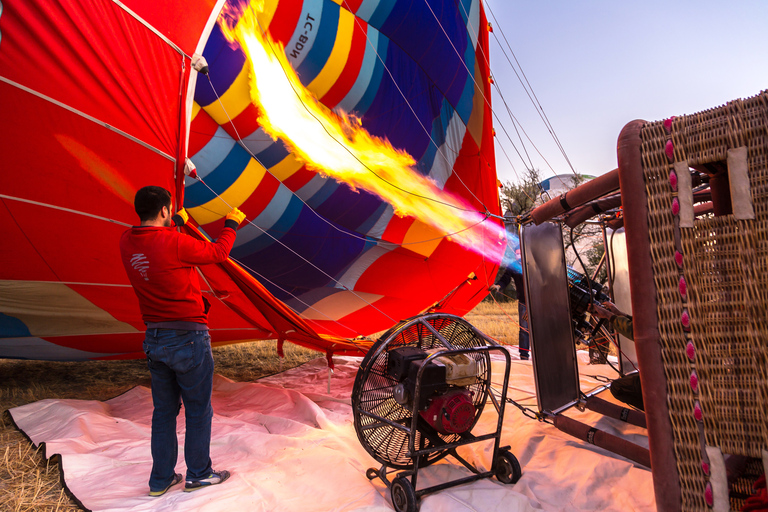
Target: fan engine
417, 396
445, 403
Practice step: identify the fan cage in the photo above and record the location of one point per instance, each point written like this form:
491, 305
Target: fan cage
373, 388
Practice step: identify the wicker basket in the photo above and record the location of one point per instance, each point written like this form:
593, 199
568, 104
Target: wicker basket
711, 280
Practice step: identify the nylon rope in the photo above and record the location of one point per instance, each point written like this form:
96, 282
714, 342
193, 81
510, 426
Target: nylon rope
482, 92
413, 111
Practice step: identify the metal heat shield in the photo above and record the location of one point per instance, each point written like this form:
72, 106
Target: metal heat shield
617, 241
555, 366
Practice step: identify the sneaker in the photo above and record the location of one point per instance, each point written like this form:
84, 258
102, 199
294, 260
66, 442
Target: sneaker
216, 477
176, 480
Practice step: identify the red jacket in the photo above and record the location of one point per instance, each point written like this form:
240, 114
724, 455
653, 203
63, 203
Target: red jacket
161, 262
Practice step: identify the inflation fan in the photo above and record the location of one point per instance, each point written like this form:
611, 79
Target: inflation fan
417, 396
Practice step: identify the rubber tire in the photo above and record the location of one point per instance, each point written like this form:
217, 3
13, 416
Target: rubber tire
507, 468
403, 495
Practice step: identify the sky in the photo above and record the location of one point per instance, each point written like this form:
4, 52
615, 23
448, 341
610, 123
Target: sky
596, 65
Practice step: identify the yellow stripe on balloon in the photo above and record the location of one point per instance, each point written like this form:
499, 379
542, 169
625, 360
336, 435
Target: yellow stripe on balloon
195, 110
339, 55
285, 168
235, 195
235, 99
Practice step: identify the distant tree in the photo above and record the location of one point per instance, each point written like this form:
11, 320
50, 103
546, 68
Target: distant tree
518, 198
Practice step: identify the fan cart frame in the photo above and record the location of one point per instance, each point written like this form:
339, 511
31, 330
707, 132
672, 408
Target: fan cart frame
505, 466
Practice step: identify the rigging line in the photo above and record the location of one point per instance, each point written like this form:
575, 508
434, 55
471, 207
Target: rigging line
379, 241
523, 188
515, 120
418, 120
461, 59
536, 104
300, 256
248, 150
261, 276
487, 62
358, 159
550, 129
482, 92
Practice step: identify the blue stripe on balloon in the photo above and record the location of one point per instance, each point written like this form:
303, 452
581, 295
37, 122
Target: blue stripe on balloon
372, 219
220, 179
256, 240
465, 103
324, 41
319, 197
382, 12
273, 155
309, 239
366, 9
367, 68
346, 207
378, 72
439, 128
213, 153
225, 63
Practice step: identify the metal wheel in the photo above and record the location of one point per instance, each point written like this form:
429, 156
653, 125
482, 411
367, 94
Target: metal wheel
507, 468
403, 495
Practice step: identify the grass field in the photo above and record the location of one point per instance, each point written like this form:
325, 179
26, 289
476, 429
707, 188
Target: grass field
30, 483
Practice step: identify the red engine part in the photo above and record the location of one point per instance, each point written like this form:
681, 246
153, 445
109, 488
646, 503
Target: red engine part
452, 413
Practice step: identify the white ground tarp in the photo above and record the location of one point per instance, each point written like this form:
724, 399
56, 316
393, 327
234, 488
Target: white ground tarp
291, 446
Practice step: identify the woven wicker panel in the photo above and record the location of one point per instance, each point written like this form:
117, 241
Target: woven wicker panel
725, 272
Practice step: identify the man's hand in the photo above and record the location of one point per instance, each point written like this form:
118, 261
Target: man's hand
600, 312
236, 215
181, 217
495, 288
610, 306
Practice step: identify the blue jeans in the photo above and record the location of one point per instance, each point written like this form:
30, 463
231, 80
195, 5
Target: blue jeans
523, 343
181, 366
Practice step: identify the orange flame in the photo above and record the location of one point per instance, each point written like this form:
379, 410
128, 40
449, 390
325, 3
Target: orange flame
336, 145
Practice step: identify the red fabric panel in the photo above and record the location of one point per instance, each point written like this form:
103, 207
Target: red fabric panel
351, 69
19, 259
56, 157
397, 228
181, 21
285, 20
246, 123
103, 343
99, 60
298, 179
77, 248
201, 131
352, 5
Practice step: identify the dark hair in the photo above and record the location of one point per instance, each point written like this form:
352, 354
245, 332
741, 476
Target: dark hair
149, 201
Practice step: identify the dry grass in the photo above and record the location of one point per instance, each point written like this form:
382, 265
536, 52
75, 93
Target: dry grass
29, 482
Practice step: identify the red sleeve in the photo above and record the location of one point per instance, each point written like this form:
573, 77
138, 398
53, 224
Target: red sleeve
195, 252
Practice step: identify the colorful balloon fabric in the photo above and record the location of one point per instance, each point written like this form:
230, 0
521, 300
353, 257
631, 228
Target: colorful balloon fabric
99, 99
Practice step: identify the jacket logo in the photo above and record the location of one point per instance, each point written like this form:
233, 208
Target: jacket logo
141, 264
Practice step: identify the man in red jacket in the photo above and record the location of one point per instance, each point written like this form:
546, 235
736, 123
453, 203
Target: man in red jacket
160, 263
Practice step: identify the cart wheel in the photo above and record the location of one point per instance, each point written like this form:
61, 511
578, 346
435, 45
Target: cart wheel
403, 495
371, 473
508, 469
